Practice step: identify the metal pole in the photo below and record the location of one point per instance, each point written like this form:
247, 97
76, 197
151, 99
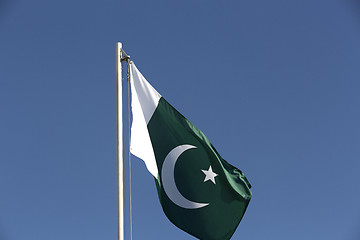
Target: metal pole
120, 140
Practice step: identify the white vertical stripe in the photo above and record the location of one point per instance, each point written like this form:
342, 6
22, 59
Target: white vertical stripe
148, 96
144, 100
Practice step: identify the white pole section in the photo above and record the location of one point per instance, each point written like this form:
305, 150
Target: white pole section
120, 139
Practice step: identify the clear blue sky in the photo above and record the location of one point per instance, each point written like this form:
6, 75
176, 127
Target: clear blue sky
273, 84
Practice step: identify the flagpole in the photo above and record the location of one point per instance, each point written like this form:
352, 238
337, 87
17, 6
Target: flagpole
120, 148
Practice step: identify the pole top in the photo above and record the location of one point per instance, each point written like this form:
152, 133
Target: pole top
124, 56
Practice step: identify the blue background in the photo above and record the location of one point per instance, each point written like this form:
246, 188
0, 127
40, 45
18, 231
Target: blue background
273, 84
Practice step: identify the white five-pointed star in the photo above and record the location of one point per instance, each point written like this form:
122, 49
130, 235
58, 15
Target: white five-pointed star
209, 175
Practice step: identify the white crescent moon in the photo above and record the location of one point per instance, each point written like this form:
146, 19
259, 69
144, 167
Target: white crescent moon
168, 179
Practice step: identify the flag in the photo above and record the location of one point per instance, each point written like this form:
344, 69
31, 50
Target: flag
199, 191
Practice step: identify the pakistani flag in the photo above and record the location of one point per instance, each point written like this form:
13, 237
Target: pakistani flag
199, 191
